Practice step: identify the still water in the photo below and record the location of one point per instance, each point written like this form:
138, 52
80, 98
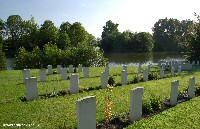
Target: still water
132, 59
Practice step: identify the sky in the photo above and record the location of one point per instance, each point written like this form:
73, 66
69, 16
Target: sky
134, 15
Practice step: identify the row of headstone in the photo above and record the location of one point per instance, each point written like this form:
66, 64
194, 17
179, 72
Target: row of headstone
174, 90
86, 107
185, 66
59, 69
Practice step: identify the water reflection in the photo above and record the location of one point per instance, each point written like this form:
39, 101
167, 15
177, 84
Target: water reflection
132, 59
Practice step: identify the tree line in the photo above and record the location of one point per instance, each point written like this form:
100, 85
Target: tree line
28, 43
25, 40
169, 35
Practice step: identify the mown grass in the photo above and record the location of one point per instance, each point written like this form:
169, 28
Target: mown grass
60, 111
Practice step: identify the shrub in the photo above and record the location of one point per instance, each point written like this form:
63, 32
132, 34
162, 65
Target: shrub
152, 76
118, 84
111, 81
197, 89
146, 108
154, 104
2, 57
52, 55
136, 79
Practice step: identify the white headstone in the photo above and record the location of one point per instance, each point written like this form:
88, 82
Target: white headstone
174, 92
71, 68
107, 69
136, 103
125, 68
43, 77
31, 88
64, 73
145, 75
86, 112
50, 70
80, 68
104, 80
124, 78
197, 62
172, 71
74, 84
86, 72
139, 68
59, 69
179, 70
191, 88
26, 74
162, 74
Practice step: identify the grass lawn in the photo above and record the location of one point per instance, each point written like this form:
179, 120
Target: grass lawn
59, 111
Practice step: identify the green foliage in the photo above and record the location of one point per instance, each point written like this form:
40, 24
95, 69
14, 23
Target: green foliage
111, 81
77, 34
48, 33
2, 57
52, 55
197, 89
114, 41
154, 104
136, 79
147, 108
152, 76
143, 42
194, 41
170, 34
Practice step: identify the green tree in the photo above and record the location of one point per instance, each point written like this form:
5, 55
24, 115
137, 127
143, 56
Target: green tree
143, 42
2, 56
2, 28
48, 33
65, 27
194, 41
64, 40
165, 34
110, 31
29, 37
14, 31
77, 34
122, 42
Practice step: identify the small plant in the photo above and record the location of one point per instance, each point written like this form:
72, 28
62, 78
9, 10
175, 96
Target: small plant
156, 103
197, 89
152, 76
136, 79
111, 81
118, 84
75, 70
146, 108
109, 103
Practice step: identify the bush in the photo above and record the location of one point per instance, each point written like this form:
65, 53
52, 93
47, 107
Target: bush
197, 89
146, 108
152, 76
2, 57
136, 79
154, 104
52, 55
111, 81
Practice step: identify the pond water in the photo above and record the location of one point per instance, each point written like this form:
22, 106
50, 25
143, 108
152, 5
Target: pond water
133, 59
129, 59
